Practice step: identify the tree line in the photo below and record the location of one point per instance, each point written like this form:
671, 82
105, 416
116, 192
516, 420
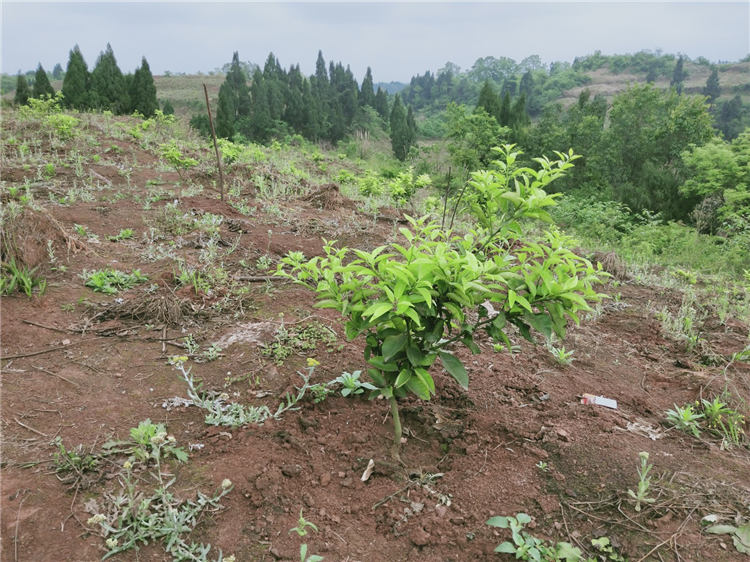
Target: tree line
326, 106
105, 88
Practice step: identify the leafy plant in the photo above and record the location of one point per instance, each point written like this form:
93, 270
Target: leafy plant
124, 234
302, 526
644, 482
561, 355
740, 535
351, 384
411, 301
723, 421
110, 281
296, 339
174, 157
18, 277
685, 419
528, 547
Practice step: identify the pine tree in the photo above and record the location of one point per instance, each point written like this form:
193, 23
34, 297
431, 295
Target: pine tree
651, 75
238, 87
143, 91
399, 130
519, 117
678, 76
57, 72
167, 108
108, 84
75, 86
712, 89
367, 92
42, 88
381, 103
23, 93
489, 101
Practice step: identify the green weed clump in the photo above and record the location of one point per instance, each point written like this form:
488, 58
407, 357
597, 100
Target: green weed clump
110, 281
15, 277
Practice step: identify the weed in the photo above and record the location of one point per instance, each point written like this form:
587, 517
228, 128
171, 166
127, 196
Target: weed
527, 547
305, 558
297, 339
302, 525
124, 234
232, 414
351, 384
188, 277
110, 281
685, 419
18, 277
543, 466
644, 482
562, 357
191, 346
606, 551
723, 421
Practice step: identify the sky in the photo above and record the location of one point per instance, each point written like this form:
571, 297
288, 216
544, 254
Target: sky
396, 39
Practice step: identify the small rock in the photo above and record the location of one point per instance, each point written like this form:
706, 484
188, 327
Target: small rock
66, 342
291, 470
347, 482
419, 537
325, 479
562, 434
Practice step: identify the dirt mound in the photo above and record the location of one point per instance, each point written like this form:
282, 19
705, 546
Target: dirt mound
329, 197
27, 238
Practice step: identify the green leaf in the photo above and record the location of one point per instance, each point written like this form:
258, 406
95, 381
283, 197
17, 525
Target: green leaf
426, 379
540, 322
377, 361
455, 368
403, 377
415, 355
523, 518
418, 387
498, 521
377, 310
506, 548
721, 529
392, 345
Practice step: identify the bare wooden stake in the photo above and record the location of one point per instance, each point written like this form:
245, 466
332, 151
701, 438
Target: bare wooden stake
216, 146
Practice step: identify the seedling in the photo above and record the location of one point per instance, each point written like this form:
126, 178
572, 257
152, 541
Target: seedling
685, 419
644, 482
561, 355
17, 277
124, 234
527, 547
351, 383
302, 526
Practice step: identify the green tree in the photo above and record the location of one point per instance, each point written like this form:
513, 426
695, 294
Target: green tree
730, 117
57, 72
411, 127
367, 92
472, 136
167, 108
678, 76
399, 130
381, 103
23, 93
225, 113
75, 86
719, 173
261, 123
712, 89
143, 91
489, 100
648, 131
505, 111
42, 88
108, 84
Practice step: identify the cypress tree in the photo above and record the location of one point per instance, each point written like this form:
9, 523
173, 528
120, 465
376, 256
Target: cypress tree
75, 86
519, 117
167, 108
411, 128
237, 82
381, 103
712, 89
399, 130
23, 93
367, 92
489, 101
108, 84
57, 72
42, 88
505, 111
678, 76
143, 91
225, 112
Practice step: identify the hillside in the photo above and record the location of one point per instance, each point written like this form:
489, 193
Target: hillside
103, 441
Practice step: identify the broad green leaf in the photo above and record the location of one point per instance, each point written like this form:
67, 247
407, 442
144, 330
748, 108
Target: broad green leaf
721, 529
418, 387
393, 345
403, 378
455, 368
415, 355
523, 518
498, 521
426, 379
377, 310
506, 548
540, 322
377, 361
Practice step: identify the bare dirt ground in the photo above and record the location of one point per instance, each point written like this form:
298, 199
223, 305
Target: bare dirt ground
85, 368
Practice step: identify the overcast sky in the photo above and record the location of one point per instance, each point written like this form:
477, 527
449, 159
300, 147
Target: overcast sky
397, 39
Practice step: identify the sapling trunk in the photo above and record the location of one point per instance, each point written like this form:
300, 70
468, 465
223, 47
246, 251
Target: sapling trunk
396, 448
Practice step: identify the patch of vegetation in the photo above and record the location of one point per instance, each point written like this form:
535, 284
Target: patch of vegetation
110, 280
299, 339
16, 277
